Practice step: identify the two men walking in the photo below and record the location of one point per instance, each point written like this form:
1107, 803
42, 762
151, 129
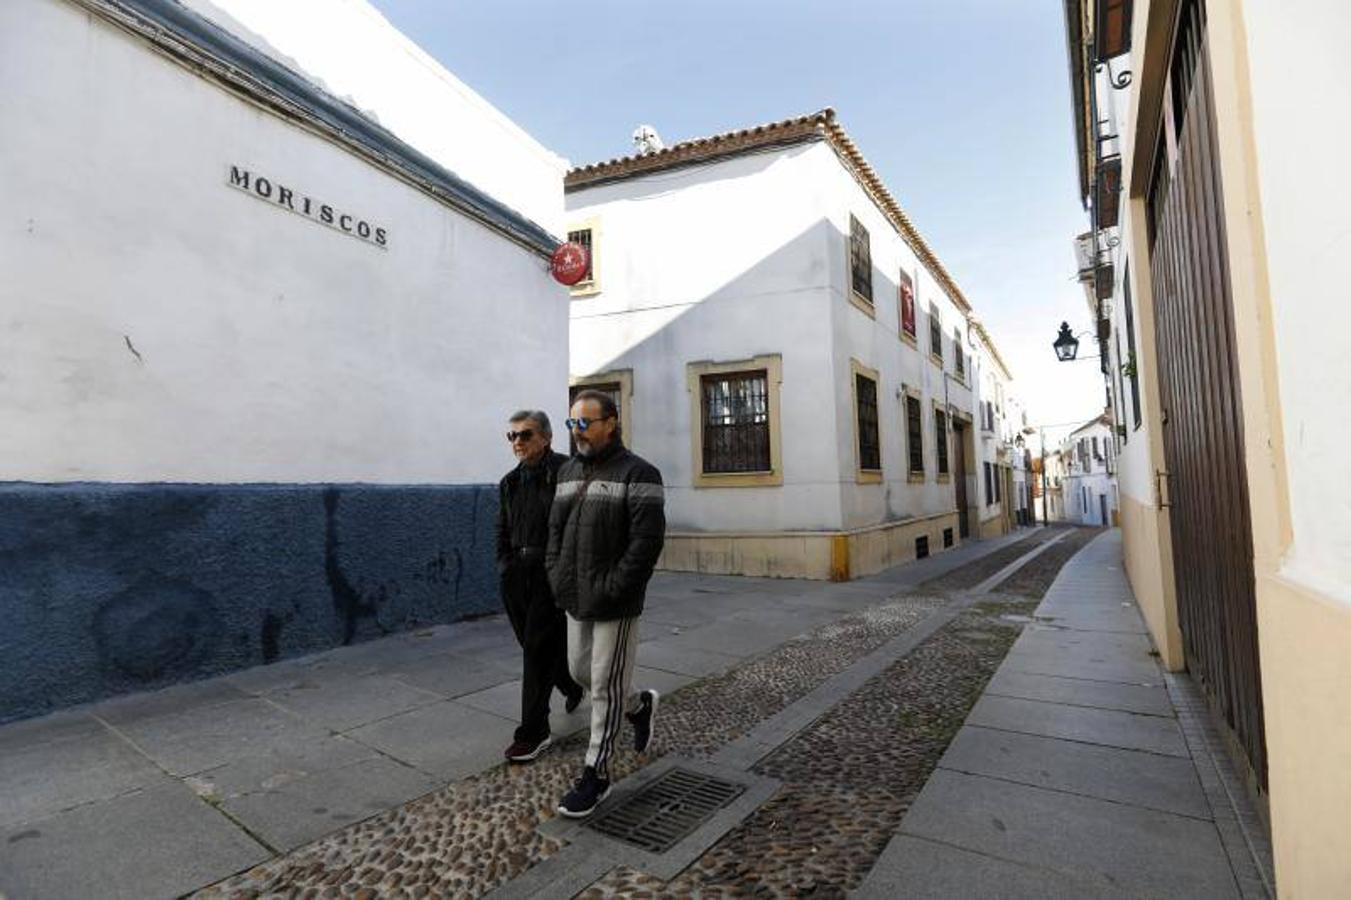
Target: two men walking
605, 528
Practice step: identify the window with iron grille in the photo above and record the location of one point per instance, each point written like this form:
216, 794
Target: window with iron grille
736, 422
941, 437
914, 432
989, 486
583, 236
935, 332
860, 260
869, 444
958, 357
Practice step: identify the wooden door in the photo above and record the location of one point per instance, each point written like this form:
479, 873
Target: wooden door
959, 477
1206, 482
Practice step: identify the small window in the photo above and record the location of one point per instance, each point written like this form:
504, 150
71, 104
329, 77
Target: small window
947, 537
958, 357
869, 444
860, 260
914, 428
935, 332
922, 546
583, 236
907, 295
989, 486
736, 422
941, 438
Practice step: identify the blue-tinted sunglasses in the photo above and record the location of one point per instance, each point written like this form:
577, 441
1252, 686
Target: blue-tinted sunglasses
583, 423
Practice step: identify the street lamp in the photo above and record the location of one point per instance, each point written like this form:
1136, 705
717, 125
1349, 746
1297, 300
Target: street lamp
1066, 344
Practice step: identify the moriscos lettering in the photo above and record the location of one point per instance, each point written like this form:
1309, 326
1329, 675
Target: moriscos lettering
265, 188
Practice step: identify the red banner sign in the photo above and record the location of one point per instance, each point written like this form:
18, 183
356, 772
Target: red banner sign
907, 305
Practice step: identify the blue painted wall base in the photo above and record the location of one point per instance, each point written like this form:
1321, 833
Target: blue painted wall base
111, 588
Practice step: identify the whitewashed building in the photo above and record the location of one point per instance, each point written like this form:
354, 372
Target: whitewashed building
1089, 488
263, 262
788, 350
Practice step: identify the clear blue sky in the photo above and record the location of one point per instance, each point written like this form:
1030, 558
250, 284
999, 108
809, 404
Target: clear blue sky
961, 105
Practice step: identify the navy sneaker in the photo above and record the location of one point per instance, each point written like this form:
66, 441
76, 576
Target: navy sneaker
585, 795
643, 720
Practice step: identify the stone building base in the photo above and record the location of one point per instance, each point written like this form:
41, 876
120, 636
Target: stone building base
818, 555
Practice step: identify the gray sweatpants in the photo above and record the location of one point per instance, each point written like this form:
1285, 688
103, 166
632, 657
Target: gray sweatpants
600, 657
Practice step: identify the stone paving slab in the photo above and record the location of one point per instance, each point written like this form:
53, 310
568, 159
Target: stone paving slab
1068, 665
447, 739
1107, 773
1108, 727
1137, 850
51, 729
270, 768
42, 779
453, 676
133, 708
206, 737
191, 844
1134, 698
340, 704
298, 811
682, 659
932, 871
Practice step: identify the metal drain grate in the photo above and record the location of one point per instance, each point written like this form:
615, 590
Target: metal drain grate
667, 810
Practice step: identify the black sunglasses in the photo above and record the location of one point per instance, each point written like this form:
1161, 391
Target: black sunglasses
583, 423
524, 434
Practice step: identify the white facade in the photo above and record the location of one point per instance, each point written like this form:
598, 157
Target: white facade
256, 352
747, 257
162, 325
1089, 484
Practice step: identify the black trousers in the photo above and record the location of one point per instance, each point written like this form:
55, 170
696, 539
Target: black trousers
542, 632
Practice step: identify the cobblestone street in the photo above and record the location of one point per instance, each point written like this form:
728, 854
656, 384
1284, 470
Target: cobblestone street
848, 778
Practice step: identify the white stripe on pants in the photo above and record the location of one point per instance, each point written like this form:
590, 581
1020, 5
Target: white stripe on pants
600, 657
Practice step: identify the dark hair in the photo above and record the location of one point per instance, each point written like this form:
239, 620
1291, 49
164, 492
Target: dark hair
608, 409
538, 416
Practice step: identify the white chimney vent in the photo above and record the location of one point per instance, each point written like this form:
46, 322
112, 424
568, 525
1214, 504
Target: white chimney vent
646, 139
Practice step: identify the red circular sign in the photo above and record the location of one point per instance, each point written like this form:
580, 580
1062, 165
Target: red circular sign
569, 263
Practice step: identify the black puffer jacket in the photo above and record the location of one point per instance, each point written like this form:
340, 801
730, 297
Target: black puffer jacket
606, 530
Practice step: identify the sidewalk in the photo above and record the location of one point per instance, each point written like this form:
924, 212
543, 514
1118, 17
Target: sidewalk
1077, 774
158, 794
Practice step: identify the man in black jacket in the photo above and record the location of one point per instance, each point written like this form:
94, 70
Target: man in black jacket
525, 495
606, 530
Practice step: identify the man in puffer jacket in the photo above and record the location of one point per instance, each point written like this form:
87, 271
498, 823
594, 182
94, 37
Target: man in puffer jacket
606, 529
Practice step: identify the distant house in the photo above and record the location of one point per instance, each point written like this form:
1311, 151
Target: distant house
792, 354
1090, 489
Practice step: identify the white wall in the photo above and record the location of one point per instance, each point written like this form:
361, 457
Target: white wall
875, 342
350, 49
1299, 135
270, 348
722, 262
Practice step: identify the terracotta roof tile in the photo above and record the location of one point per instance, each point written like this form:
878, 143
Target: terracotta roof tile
820, 125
